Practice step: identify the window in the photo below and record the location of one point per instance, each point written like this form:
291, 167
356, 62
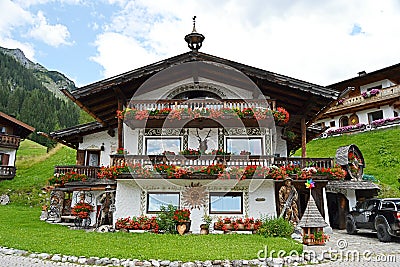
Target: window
373, 116
231, 202
332, 124
156, 146
2, 129
395, 114
93, 158
156, 200
344, 121
253, 145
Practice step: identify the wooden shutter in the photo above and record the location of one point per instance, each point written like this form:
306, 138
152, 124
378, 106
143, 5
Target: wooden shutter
80, 157
5, 159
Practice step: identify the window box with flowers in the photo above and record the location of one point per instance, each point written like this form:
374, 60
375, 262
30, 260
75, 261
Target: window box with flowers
182, 220
59, 179
237, 224
140, 223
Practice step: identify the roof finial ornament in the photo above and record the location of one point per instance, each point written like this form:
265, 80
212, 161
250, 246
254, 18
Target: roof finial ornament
194, 39
194, 24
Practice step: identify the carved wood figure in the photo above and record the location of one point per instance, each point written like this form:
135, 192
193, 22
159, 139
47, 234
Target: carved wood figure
202, 142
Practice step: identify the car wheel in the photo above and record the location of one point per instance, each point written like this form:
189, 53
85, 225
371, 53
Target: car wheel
382, 233
351, 227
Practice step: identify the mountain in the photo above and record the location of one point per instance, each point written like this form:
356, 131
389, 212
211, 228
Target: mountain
54, 81
31, 93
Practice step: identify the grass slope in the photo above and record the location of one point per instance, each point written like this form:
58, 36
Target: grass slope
381, 151
34, 167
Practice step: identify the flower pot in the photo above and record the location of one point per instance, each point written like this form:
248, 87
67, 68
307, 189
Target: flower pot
183, 227
240, 227
204, 231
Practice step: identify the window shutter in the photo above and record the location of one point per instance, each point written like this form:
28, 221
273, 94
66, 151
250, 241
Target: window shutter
80, 157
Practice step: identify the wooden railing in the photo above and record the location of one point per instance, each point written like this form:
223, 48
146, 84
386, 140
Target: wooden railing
89, 171
201, 103
205, 160
11, 141
383, 94
233, 160
7, 172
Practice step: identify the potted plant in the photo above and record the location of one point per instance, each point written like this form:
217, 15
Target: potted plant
204, 227
182, 220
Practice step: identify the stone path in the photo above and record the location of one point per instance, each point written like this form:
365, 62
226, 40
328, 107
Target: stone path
363, 249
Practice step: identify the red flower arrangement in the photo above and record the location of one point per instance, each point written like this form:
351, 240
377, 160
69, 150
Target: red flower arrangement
138, 223
182, 215
281, 115
82, 210
111, 172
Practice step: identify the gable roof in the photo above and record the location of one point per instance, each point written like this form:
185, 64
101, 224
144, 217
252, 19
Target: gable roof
299, 98
23, 129
311, 216
392, 73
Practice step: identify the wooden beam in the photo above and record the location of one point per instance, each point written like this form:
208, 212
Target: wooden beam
303, 138
70, 96
120, 125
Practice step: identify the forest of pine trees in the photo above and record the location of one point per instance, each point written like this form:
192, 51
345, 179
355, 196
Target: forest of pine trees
24, 97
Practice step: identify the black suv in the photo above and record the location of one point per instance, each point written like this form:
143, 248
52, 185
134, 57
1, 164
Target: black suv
379, 215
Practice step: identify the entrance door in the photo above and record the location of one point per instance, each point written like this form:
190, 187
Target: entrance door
338, 208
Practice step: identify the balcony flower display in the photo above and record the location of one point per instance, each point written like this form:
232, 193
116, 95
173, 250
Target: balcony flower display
381, 122
345, 129
370, 93
63, 178
111, 172
280, 115
190, 152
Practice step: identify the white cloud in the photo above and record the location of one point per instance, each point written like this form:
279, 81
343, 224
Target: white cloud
118, 53
12, 16
53, 35
309, 40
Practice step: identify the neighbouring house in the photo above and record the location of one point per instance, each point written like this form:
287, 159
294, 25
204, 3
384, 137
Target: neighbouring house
368, 101
11, 133
195, 131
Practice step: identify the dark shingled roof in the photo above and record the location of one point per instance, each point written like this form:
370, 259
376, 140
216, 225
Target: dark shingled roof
332, 185
312, 217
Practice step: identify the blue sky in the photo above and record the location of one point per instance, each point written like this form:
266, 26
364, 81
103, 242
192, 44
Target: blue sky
319, 41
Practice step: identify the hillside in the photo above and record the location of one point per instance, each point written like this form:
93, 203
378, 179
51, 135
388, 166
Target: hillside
32, 94
381, 150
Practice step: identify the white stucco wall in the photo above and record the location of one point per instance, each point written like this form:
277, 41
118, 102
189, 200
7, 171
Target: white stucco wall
92, 198
262, 198
258, 197
96, 140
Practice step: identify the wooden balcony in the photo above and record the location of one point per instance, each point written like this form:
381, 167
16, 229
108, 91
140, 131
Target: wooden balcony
202, 161
187, 121
7, 172
232, 160
89, 171
201, 103
384, 96
9, 141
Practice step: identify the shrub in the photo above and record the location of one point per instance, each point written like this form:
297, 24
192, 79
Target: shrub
275, 227
166, 222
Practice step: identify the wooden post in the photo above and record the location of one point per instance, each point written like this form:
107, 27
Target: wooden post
303, 138
120, 126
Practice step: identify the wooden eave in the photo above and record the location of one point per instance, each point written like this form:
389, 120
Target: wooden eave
24, 129
73, 136
359, 107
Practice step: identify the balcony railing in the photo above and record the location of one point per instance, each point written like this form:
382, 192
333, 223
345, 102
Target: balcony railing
383, 94
89, 171
7, 172
10, 141
233, 160
201, 103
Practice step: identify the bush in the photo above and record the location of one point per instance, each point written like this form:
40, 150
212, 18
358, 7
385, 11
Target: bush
275, 227
166, 222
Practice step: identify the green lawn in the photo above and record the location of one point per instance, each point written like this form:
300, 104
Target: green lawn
21, 228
